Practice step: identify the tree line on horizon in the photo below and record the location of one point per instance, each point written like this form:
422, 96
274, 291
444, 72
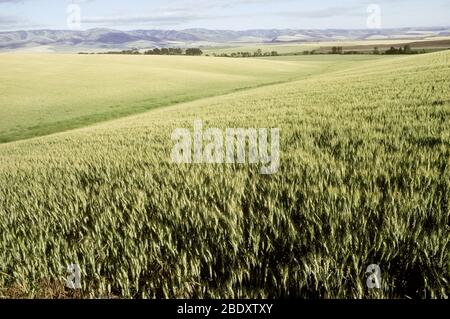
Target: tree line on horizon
393, 50
156, 51
337, 50
246, 54
334, 50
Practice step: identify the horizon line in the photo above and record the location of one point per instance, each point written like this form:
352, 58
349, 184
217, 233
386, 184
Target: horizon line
233, 30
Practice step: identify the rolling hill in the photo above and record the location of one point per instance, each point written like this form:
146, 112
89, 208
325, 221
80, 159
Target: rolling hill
102, 39
364, 179
42, 94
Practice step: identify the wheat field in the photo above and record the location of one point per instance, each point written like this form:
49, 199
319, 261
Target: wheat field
43, 94
364, 179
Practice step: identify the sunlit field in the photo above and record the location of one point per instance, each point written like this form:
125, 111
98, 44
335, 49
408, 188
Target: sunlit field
42, 94
364, 177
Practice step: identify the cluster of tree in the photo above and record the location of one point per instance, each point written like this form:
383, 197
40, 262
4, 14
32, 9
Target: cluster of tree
132, 51
340, 50
402, 50
157, 51
337, 50
405, 50
194, 51
257, 53
164, 51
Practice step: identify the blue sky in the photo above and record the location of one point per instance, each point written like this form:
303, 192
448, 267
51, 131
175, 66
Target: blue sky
221, 14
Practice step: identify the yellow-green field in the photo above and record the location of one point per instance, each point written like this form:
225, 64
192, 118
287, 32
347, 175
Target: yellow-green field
364, 178
42, 94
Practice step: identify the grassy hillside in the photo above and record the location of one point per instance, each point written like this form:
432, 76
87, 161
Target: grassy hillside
42, 94
364, 179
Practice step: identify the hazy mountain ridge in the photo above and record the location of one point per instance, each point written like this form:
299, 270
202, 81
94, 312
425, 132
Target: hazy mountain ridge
104, 39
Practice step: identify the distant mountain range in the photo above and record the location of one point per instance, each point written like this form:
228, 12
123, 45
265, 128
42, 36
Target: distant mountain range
108, 39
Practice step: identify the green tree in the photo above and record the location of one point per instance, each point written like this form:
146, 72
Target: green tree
194, 51
258, 53
407, 49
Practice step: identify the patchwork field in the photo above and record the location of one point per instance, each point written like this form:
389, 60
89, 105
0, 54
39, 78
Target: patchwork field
364, 177
299, 47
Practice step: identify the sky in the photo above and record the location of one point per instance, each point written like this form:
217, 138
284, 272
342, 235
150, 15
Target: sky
221, 14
